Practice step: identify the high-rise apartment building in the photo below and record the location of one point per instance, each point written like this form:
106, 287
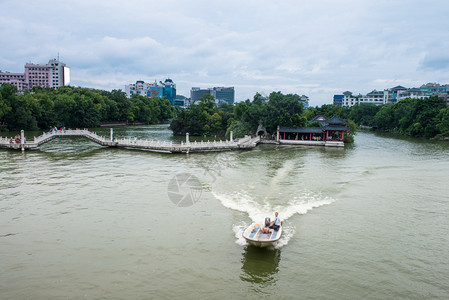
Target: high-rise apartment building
54, 74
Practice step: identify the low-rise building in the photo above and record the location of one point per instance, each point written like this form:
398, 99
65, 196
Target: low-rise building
347, 99
373, 97
161, 89
332, 130
392, 95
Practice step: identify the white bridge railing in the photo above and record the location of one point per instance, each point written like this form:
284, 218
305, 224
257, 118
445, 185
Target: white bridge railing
5, 140
187, 146
48, 136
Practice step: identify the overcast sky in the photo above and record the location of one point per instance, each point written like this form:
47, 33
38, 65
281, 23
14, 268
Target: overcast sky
318, 48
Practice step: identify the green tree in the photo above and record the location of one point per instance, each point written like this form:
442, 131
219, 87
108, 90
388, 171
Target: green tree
443, 121
384, 118
23, 109
7, 96
363, 114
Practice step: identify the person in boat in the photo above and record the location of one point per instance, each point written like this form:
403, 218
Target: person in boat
277, 222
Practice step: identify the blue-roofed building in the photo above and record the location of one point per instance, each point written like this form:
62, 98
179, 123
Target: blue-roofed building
338, 100
346, 99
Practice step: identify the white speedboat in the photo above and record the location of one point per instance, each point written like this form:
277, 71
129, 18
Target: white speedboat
262, 236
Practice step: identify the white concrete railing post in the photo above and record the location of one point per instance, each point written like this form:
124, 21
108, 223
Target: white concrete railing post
230, 136
22, 136
187, 138
112, 134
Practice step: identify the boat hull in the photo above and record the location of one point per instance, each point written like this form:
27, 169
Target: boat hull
261, 244
255, 236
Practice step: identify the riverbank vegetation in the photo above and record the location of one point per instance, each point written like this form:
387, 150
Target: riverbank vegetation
203, 118
428, 118
244, 117
81, 107
76, 107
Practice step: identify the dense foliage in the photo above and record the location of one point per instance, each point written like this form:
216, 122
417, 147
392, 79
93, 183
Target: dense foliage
419, 118
77, 107
203, 118
82, 107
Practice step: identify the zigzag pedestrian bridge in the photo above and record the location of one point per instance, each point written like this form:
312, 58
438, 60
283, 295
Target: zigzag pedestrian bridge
184, 147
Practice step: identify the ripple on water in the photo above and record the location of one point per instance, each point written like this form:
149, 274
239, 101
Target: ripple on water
368, 221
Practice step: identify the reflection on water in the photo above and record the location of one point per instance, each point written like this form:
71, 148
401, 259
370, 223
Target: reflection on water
260, 265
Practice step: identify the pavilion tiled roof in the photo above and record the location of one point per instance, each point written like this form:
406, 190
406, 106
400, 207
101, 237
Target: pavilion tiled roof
316, 118
301, 129
336, 128
335, 120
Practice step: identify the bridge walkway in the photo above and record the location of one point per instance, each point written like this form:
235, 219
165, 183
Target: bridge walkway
184, 147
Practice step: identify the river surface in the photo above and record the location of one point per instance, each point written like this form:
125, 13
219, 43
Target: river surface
80, 221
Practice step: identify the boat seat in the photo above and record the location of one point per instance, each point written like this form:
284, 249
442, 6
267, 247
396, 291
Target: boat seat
254, 232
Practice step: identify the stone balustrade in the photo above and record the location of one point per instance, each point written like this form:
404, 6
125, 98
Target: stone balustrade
183, 147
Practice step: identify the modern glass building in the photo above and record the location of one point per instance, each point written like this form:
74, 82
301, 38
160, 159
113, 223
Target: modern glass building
221, 94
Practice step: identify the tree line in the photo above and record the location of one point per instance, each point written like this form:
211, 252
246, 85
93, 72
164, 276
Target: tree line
205, 118
76, 107
428, 118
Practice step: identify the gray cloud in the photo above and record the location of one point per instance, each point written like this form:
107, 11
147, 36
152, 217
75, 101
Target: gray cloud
317, 48
435, 63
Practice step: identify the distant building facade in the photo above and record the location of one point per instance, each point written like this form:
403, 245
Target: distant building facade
52, 75
392, 95
16, 79
161, 89
304, 100
347, 99
221, 94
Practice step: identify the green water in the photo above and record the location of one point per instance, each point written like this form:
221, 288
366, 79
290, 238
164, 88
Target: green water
79, 221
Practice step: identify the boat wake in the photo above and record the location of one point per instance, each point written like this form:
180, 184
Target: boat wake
257, 211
